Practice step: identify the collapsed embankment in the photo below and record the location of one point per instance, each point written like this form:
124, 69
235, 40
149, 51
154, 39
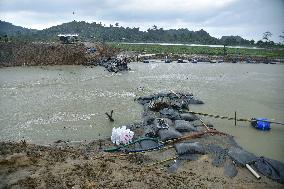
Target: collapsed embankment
41, 54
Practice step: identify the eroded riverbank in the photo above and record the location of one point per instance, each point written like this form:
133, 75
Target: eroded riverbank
85, 166
201, 156
209, 161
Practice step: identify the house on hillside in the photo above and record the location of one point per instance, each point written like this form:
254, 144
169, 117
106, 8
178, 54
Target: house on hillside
68, 38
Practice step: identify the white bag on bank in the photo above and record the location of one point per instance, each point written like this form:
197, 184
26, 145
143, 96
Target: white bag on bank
121, 135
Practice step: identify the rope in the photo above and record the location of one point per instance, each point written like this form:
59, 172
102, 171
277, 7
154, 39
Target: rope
204, 124
232, 118
162, 161
196, 135
113, 149
163, 146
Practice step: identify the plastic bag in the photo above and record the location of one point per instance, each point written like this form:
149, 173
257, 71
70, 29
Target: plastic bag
121, 135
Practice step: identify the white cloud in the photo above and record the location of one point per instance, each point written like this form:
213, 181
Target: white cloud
248, 18
174, 5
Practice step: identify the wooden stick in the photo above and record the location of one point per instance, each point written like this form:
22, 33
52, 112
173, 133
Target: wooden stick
110, 116
235, 118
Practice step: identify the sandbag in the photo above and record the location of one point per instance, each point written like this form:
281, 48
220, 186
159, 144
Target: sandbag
149, 144
240, 156
170, 113
191, 157
184, 126
159, 104
189, 148
194, 100
150, 132
174, 166
167, 134
273, 169
162, 123
230, 170
188, 117
219, 154
145, 99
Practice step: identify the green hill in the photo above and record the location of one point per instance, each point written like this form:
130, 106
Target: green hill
9, 29
98, 32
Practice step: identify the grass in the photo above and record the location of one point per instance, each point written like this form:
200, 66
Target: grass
183, 49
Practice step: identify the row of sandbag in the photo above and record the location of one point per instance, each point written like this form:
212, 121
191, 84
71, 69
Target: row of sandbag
114, 64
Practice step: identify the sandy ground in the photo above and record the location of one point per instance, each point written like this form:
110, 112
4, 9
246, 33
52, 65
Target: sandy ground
64, 165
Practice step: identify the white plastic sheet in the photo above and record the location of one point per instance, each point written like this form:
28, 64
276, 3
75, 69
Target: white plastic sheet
121, 135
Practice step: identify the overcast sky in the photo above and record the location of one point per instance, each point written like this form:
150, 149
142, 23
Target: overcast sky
247, 18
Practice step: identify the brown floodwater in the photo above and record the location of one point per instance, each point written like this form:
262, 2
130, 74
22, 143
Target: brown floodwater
45, 104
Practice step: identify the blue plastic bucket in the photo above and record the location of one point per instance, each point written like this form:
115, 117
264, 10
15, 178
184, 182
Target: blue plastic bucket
261, 124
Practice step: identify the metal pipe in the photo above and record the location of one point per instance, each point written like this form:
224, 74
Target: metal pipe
253, 171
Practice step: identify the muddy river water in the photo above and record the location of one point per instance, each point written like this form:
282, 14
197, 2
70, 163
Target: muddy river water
45, 104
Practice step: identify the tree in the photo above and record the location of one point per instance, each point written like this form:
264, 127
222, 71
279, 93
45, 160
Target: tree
116, 24
225, 50
266, 36
282, 37
155, 27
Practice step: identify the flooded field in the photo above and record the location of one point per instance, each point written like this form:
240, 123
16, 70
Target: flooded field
45, 104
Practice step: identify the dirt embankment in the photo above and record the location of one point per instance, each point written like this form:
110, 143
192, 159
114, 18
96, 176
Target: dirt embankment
33, 54
85, 166
39, 54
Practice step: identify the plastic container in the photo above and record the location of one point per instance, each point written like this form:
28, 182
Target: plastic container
261, 124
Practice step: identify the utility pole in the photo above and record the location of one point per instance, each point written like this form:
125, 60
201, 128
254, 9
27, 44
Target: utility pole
73, 15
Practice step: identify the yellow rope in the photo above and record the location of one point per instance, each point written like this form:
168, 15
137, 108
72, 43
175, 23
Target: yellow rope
218, 116
162, 161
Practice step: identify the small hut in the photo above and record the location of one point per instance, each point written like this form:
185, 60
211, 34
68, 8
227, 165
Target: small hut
68, 38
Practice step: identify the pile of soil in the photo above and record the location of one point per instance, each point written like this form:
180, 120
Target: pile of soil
96, 52
86, 166
34, 54
40, 54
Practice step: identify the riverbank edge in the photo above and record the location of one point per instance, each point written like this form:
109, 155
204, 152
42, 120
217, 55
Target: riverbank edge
90, 54
86, 165
82, 165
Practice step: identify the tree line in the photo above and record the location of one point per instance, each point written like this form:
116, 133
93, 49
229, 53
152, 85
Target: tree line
115, 33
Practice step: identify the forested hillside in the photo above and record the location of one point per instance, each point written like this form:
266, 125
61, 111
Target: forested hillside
115, 33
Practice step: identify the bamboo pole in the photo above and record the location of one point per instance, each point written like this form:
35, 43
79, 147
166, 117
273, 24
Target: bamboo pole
235, 118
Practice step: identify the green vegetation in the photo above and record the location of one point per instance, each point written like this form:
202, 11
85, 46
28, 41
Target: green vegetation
183, 49
115, 33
